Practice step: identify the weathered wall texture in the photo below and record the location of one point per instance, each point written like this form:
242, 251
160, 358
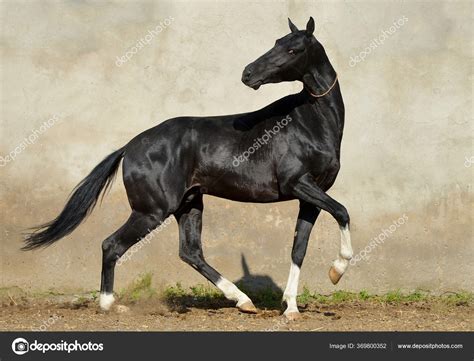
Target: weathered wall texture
407, 145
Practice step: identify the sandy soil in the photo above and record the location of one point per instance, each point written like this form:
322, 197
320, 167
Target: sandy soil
54, 314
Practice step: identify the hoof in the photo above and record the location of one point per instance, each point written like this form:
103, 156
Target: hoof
247, 307
292, 316
334, 276
121, 309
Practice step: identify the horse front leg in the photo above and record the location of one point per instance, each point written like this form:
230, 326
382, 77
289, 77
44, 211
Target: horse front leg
306, 217
306, 189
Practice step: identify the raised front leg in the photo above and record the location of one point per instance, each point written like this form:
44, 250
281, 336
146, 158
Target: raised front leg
306, 217
190, 251
306, 189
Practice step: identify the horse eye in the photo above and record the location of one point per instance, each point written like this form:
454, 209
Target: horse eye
292, 52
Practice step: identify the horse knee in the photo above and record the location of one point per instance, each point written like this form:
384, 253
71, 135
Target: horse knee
188, 257
184, 256
195, 260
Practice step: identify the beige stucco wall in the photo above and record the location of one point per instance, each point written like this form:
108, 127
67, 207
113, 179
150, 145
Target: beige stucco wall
406, 152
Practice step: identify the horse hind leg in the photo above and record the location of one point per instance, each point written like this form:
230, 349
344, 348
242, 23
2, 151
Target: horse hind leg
190, 251
135, 228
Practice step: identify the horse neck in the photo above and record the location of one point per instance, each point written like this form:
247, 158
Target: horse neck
319, 75
317, 80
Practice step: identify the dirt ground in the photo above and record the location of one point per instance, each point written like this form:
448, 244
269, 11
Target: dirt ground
53, 314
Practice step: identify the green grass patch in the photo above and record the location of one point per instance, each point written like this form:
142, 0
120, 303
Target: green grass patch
48, 293
140, 289
205, 292
271, 298
364, 295
263, 298
175, 291
392, 297
459, 299
199, 291
306, 296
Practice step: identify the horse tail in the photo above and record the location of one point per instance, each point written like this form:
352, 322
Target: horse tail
79, 205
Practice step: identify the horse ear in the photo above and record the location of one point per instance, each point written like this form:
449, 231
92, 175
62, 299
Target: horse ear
293, 28
310, 26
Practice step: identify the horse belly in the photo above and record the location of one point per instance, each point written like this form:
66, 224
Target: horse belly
244, 188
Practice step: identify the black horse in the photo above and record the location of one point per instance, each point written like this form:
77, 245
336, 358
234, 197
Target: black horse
288, 150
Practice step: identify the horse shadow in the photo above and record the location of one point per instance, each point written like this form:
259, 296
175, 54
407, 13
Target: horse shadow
261, 289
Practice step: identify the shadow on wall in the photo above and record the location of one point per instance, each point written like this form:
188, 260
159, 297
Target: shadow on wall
255, 283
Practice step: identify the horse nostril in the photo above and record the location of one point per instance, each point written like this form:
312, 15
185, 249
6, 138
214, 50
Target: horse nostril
247, 73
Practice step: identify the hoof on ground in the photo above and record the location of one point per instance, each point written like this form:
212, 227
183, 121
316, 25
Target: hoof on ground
122, 309
334, 276
247, 307
292, 316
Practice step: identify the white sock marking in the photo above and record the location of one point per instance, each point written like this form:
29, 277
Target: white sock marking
291, 290
345, 253
106, 301
231, 291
